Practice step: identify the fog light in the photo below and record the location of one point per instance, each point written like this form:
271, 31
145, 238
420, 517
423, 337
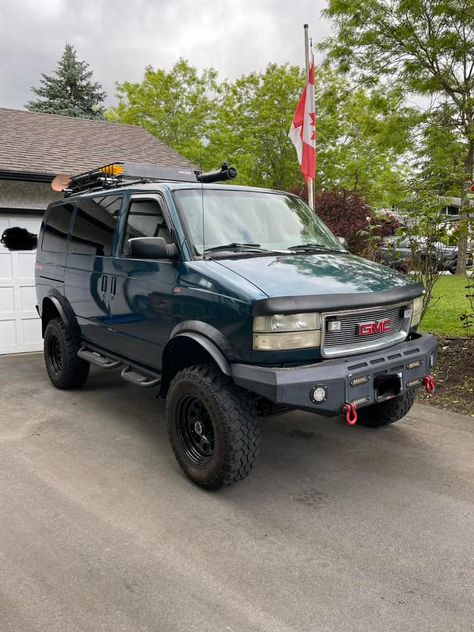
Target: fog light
318, 394
361, 400
357, 381
334, 325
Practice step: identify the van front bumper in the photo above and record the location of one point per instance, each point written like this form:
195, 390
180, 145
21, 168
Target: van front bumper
363, 379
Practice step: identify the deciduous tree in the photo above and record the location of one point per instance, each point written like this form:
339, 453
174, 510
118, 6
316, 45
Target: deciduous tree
177, 106
427, 46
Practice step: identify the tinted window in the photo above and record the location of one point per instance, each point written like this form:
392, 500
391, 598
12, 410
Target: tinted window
94, 226
146, 219
56, 227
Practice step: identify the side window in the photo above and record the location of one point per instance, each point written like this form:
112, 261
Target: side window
56, 227
94, 226
145, 218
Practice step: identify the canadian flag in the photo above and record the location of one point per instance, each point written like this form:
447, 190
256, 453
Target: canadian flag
303, 128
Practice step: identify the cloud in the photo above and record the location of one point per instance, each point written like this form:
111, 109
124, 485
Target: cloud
119, 38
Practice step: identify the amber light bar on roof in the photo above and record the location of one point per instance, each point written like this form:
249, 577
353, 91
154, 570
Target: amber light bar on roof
117, 174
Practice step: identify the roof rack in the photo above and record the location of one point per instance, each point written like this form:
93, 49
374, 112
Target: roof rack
117, 174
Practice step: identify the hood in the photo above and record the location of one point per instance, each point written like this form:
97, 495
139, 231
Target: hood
323, 274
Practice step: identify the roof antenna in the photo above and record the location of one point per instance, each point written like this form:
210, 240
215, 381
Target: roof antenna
204, 144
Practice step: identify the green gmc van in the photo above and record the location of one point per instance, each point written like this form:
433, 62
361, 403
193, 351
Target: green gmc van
233, 302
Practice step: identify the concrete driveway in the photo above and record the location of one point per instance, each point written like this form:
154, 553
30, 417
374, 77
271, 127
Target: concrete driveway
337, 529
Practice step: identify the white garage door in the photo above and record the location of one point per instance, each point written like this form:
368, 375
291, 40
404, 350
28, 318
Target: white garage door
20, 327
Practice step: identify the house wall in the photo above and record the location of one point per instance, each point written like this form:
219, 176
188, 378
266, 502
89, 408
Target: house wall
26, 195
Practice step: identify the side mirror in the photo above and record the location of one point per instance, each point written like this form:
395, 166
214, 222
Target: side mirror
343, 242
151, 248
16, 238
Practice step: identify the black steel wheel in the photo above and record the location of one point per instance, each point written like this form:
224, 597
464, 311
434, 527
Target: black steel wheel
65, 369
54, 357
195, 430
212, 426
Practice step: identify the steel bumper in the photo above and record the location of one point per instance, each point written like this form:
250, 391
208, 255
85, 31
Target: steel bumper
356, 379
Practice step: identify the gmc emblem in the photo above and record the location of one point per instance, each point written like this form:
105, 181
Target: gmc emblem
374, 327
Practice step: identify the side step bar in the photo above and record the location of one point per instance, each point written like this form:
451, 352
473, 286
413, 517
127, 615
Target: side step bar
139, 379
130, 374
97, 359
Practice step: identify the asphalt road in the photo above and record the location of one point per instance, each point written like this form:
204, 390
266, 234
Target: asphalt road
338, 528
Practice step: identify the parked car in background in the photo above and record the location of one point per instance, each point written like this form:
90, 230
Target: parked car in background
403, 253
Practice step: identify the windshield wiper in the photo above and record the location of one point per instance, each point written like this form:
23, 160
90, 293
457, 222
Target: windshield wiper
235, 245
308, 247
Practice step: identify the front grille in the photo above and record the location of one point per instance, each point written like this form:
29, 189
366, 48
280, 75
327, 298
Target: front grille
348, 341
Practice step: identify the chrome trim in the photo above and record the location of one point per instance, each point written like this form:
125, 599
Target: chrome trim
383, 343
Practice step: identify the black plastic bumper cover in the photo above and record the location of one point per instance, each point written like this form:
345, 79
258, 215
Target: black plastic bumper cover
349, 379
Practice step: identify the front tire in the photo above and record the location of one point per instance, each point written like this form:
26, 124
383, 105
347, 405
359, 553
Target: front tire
65, 369
387, 412
212, 426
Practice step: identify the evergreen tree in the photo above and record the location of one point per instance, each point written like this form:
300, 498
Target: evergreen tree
69, 91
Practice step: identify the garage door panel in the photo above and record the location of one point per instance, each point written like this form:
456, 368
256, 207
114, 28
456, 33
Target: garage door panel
9, 334
31, 332
6, 266
20, 327
26, 265
7, 300
27, 298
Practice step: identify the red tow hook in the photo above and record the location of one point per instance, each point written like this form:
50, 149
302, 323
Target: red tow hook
351, 413
430, 384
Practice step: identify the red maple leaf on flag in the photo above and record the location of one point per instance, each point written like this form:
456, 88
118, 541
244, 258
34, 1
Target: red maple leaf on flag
303, 129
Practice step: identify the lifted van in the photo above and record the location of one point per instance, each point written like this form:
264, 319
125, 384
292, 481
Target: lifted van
235, 302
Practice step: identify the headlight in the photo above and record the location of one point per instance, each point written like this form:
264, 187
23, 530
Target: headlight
417, 307
287, 331
287, 322
282, 342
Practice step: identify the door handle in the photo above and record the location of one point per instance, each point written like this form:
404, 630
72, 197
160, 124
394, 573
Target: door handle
113, 287
103, 286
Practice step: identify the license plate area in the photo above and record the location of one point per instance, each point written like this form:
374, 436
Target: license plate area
387, 386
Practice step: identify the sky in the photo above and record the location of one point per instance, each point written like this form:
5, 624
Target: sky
120, 37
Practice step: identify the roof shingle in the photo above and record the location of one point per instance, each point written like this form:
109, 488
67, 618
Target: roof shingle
48, 144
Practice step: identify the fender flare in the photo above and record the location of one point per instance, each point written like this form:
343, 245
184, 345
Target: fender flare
214, 351
64, 310
210, 334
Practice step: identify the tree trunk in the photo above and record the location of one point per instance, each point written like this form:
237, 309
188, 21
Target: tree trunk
465, 209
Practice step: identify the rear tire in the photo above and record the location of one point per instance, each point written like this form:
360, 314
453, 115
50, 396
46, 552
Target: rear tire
65, 369
387, 412
212, 426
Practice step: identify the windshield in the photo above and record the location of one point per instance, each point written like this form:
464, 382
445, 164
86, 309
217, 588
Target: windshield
271, 221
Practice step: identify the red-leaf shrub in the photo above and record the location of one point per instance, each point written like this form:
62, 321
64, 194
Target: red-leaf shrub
346, 213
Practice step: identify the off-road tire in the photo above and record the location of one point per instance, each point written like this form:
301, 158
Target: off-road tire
387, 412
233, 415
65, 369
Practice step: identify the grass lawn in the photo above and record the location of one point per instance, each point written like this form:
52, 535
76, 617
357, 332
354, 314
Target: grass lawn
442, 317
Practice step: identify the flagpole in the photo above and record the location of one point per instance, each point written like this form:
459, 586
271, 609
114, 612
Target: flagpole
306, 52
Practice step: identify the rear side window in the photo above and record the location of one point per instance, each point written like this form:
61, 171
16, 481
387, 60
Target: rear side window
56, 228
94, 226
